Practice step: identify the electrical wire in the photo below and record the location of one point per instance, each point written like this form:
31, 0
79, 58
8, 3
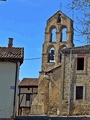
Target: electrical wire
32, 58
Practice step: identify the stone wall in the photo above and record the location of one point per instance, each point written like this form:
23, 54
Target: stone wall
71, 80
25, 111
48, 101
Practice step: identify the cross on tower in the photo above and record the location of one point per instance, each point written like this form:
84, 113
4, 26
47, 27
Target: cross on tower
60, 6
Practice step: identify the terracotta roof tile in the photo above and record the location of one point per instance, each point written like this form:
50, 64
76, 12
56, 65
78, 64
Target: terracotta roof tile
29, 82
85, 47
17, 53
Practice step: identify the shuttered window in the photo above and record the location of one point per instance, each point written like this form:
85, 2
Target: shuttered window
79, 92
27, 97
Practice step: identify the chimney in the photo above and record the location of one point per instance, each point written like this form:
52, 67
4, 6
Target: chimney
10, 44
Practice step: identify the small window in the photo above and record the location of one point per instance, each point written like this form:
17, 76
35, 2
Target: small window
59, 18
28, 97
80, 63
28, 88
79, 92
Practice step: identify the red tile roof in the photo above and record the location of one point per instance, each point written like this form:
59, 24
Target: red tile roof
16, 54
85, 47
28, 82
76, 50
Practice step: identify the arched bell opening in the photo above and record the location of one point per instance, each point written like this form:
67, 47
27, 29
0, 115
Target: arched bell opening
51, 55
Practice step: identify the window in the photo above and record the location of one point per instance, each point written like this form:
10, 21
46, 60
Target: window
80, 63
28, 88
59, 18
79, 92
28, 97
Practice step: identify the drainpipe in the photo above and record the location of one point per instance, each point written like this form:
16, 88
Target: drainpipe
69, 96
63, 75
14, 102
19, 102
49, 96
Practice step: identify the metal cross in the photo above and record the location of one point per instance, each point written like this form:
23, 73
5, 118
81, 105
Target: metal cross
60, 6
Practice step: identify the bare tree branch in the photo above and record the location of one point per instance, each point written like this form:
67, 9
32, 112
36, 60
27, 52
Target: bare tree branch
83, 17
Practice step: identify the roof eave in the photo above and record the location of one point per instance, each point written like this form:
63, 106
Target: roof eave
5, 59
76, 51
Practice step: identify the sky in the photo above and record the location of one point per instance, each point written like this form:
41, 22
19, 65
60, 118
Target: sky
25, 22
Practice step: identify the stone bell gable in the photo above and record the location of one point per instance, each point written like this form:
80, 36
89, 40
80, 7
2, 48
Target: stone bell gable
51, 55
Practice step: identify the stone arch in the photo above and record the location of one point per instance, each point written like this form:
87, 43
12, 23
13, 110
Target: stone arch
64, 34
62, 27
63, 31
52, 31
52, 27
49, 47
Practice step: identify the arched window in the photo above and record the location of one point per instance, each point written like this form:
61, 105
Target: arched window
51, 55
64, 35
53, 35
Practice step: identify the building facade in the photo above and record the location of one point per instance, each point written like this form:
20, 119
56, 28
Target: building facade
63, 87
28, 90
76, 80
10, 60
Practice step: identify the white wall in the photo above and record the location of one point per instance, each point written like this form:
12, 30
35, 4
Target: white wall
7, 79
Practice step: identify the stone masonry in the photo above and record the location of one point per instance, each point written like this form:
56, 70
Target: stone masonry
49, 96
60, 81
73, 78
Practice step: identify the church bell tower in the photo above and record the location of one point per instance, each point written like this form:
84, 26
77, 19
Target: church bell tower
58, 36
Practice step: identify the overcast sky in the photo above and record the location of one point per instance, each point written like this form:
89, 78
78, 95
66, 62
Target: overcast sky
25, 21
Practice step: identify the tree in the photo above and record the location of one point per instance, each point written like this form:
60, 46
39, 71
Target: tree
82, 18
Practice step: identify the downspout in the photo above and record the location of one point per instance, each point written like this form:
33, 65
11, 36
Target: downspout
49, 96
19, 103
62, 81
69, 96
63, 69
14, 101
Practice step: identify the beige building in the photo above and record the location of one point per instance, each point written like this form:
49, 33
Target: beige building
63, 87
11, 59
28, 90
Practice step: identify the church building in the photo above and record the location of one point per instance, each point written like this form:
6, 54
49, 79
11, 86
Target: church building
64, 80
